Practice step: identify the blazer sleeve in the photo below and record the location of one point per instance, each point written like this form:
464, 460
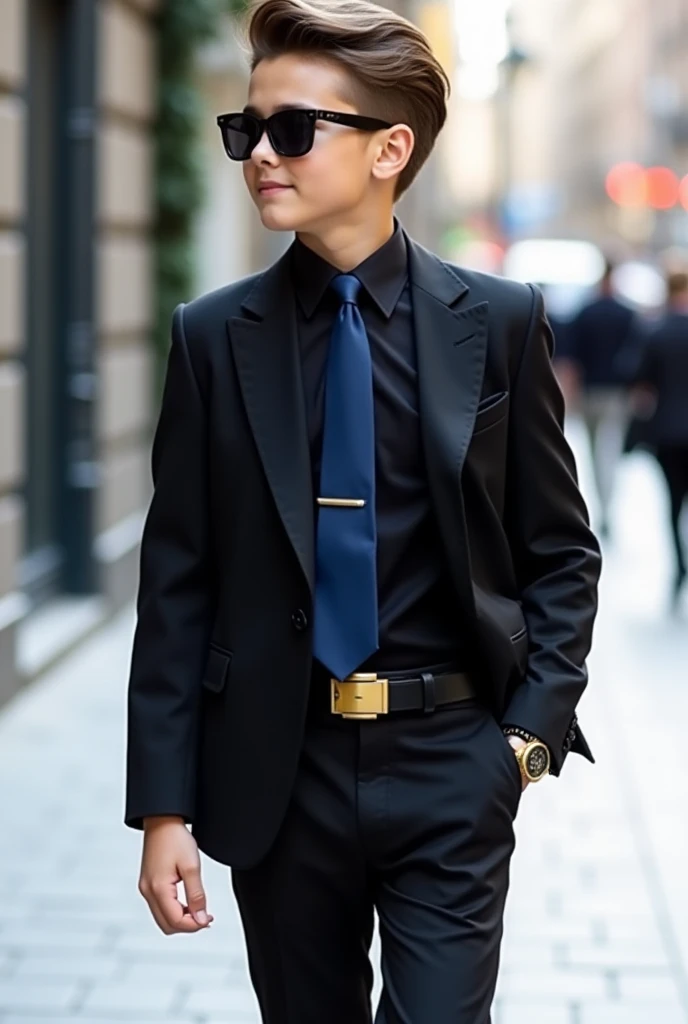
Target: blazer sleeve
556, 556
173, 613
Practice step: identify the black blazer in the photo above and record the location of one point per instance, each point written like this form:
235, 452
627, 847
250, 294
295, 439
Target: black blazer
664, 368
222, 651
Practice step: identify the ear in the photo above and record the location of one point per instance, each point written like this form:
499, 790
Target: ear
394, 152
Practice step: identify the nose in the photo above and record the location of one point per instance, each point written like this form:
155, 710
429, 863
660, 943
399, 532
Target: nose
263, 151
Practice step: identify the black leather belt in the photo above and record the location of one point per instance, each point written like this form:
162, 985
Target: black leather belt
365, 695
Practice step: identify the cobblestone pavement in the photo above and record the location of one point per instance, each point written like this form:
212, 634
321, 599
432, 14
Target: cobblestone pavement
597, 920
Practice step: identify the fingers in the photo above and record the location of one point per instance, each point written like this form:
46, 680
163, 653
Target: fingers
195, 893
170, 915
167, 911
174, 915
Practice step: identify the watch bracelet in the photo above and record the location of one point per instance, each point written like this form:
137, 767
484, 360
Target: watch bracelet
569, 739
515, 730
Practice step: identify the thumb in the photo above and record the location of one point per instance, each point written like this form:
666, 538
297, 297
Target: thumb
195, 894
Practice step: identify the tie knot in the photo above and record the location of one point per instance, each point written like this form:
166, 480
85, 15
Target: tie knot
347, 287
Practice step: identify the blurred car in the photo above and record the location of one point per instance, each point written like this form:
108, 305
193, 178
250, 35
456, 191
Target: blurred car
569, 270
566, 270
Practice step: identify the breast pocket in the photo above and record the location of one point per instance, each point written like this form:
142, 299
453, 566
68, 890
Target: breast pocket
491, 411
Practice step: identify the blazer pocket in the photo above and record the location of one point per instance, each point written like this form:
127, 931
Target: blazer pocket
217, 669
515, 637
490, 411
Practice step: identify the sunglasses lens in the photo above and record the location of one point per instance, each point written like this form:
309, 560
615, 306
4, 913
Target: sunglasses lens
240, 134
291, 132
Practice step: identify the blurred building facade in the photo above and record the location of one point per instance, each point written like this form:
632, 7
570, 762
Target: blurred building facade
77, 102
605, 83
230, 240
603, 117
583, 87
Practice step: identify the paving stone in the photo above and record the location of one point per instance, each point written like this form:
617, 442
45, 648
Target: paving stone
109, 998
177, 948
526, 1013
101, 1019
89, 936
33, 966
233, 1018
221, 1001
18, 995
540, 985
661, 986
615, 954
633, 1013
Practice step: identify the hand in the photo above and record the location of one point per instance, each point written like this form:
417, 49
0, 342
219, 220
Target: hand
170, 855
517, 742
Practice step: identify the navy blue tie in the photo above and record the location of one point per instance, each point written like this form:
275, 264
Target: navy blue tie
346, 618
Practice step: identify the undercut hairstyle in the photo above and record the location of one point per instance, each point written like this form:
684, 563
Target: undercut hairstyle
390, 67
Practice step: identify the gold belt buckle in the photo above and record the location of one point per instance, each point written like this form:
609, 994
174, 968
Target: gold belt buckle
361, 695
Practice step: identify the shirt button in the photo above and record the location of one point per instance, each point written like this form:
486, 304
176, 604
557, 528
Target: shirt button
299, 620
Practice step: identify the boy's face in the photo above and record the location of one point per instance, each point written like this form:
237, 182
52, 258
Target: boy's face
332, 181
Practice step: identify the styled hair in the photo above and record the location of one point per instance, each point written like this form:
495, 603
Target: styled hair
391, 69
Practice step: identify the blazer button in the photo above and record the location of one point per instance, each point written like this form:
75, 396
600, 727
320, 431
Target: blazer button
299, 620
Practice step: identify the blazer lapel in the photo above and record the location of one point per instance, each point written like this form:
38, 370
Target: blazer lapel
266, 354
451, 342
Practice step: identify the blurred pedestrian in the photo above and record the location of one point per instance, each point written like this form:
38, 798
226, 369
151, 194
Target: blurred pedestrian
368, 581
662, 389
564, 366
598, 340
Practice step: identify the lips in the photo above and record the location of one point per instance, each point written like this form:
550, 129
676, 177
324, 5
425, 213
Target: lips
272, 186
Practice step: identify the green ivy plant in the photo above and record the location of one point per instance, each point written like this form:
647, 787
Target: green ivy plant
183, 26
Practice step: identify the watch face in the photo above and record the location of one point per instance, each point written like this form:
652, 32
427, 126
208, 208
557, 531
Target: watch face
537, 760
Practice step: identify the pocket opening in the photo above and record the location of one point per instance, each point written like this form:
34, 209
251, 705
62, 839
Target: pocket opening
216, 669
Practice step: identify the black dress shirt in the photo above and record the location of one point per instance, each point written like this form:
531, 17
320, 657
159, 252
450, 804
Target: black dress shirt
417, 603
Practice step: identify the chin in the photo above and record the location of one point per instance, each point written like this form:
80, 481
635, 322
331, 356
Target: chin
276, 220
283, 214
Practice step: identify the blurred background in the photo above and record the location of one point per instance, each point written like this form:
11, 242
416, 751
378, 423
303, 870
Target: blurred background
565, 163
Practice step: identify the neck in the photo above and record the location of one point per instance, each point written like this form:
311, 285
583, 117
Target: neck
348, 243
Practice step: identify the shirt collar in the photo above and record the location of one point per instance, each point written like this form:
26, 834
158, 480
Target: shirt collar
383, 274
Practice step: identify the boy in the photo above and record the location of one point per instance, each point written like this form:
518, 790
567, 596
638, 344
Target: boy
366, 556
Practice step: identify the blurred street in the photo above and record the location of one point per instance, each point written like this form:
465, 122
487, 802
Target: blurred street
597, 924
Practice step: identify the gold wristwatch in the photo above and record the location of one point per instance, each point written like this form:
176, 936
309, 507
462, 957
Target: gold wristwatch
533, 759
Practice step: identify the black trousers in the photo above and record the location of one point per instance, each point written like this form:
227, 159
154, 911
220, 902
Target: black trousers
409, 814
673, 460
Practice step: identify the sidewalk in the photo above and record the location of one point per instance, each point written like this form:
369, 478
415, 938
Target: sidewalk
597, 921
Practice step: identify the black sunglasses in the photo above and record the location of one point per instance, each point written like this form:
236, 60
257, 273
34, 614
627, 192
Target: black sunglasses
291, 132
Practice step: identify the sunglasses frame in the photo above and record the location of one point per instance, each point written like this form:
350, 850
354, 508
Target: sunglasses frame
365, 124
